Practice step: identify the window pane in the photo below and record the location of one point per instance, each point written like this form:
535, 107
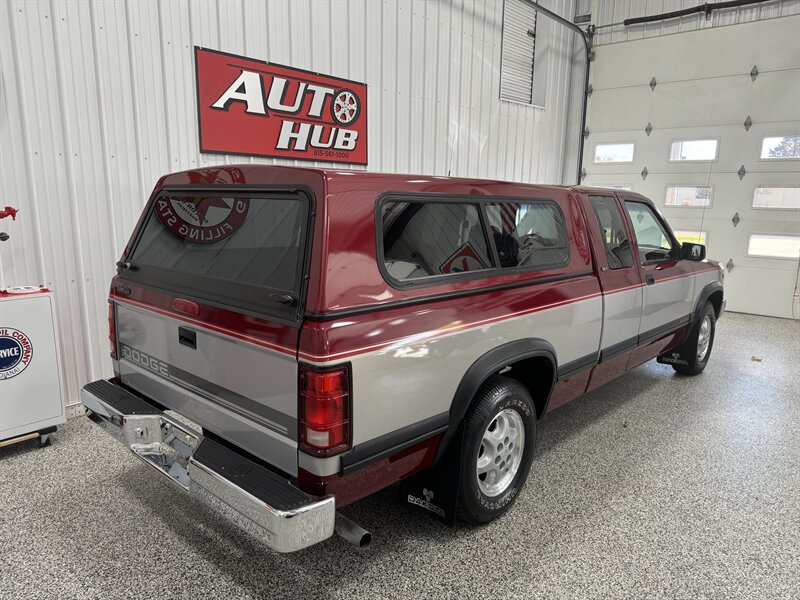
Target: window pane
249, 241
688, 195
776, 197
691, 237
425, 239
612, 153
612, 226
527, 234
693, 150
787, 146
774, 246
651, 237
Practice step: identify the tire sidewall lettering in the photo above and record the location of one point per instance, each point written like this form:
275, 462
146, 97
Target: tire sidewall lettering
500, 502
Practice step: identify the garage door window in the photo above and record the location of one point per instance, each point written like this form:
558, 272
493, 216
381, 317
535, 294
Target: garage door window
688, 195
780, 148
777, 197
614, 153
691, 237
693, 150
774, 246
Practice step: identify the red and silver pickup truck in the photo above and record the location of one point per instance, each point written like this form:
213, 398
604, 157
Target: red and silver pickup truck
330, 333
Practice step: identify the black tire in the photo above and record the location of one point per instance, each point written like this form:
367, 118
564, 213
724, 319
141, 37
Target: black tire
42, 441
496, 395
694, 362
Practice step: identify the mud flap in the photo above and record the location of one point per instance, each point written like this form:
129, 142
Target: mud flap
681, 354
435, 491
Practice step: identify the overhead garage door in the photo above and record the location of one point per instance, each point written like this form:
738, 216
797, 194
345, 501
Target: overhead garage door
707, 124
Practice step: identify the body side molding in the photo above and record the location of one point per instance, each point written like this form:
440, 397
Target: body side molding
376, 449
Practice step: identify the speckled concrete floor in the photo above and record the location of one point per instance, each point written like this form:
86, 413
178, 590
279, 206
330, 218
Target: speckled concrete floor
697, 497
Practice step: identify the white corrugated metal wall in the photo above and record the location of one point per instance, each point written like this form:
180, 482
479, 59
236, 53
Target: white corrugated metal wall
97, 100
608, 12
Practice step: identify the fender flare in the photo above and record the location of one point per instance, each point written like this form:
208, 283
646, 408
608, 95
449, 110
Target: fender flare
489, 363
702, 298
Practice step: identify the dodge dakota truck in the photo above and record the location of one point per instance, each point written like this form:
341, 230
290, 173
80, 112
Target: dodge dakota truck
286, 341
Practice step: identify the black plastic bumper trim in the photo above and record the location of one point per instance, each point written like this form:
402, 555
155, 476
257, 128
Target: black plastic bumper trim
255, 479
120, 398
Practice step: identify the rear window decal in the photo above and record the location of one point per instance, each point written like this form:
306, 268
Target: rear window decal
202, 220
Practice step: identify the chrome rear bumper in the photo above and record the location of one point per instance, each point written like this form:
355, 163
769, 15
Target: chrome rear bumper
255, 499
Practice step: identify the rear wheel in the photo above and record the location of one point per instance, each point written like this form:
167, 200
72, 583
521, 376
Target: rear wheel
499, 438
698, 346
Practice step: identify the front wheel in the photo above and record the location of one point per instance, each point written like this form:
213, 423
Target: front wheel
699, 344
499, 438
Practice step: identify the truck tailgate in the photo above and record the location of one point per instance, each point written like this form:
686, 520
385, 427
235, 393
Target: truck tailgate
240, 390
208, 306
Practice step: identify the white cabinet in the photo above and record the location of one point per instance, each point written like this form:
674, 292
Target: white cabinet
31, 394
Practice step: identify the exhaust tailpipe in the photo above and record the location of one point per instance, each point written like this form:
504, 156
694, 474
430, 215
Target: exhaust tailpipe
352, 532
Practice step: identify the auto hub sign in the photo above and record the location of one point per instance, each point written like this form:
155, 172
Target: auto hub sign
252, 107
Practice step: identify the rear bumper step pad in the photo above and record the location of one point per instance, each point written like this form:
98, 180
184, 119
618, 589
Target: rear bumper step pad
258, 501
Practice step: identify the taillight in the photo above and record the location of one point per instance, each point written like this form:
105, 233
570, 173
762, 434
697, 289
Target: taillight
324, 410
112, 330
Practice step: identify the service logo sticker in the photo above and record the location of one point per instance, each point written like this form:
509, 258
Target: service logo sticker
16, 352
202, 220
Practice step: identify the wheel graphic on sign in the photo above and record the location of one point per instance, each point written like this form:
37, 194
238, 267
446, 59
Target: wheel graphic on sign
345, 107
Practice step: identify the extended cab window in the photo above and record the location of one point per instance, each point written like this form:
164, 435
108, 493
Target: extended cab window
527, 234
428, 239
612, 229
651, 236
234, 248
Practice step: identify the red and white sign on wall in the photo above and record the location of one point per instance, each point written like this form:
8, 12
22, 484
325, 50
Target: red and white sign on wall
252, 107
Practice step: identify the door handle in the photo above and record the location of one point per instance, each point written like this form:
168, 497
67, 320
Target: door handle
187, 337
650, 279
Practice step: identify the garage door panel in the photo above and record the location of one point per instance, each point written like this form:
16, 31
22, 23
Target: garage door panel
724, 100
729, 194
723, 49
598, 179
779, 302
736, 147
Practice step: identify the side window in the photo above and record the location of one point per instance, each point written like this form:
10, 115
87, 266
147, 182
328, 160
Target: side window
527, 234
612, 227
426, 239
652, 238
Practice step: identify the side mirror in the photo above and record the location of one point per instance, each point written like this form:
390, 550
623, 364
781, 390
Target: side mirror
695, 252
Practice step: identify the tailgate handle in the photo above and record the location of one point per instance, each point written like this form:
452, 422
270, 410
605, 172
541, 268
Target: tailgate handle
187, 337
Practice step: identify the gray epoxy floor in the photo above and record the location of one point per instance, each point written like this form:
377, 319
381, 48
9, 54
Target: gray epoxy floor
655, 485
